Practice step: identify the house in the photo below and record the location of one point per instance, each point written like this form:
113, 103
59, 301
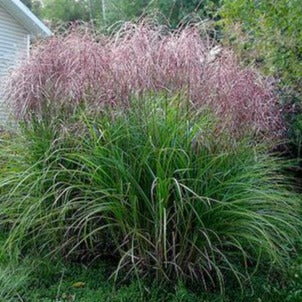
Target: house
18, 27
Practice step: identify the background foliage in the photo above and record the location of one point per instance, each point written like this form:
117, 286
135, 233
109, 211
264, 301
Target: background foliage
107, 13
34, 5
270, 33
66, 10
169, 11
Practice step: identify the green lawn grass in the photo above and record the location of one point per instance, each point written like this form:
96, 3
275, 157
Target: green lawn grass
37, 279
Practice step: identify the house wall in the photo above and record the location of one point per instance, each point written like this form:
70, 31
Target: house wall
14, 46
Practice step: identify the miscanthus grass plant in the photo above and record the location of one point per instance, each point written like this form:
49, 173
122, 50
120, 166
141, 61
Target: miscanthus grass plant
77, 67
156, 186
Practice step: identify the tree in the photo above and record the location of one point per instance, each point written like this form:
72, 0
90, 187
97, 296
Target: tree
66, 10
34, 6
28, 3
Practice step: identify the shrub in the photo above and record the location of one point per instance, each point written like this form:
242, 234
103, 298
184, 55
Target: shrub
77, 68
269, 32
65, 10
157, 186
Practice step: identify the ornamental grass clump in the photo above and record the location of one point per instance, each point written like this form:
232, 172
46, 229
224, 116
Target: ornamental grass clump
156, 186
77, 67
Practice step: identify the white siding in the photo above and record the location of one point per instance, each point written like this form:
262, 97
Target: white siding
13, 46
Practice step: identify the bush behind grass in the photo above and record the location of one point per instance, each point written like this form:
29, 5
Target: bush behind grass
268, 34
157, 186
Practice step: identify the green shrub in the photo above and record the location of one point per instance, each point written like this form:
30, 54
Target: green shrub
65, 10
269, 32
156, 186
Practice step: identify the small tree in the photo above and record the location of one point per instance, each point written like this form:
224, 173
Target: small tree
28, 3
66, 10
